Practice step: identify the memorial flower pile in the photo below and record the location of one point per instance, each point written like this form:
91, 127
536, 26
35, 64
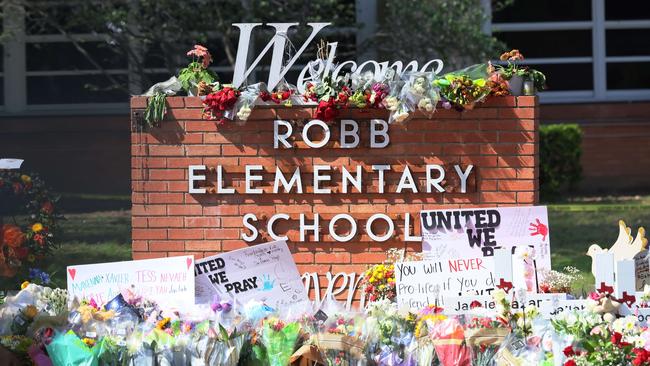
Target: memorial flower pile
329, 92
24, 243
37, 325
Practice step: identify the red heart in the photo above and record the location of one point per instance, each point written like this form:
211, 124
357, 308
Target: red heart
189, 262
72, 272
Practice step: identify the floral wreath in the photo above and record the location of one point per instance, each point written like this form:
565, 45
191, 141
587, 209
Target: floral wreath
21, 245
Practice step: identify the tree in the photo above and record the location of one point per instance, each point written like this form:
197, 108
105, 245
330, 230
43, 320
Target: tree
451, 30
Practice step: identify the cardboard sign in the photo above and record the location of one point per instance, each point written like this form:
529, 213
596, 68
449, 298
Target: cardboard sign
264, 272
168, 281
455, 305
552, 308
476, 233
11, 163
422, 283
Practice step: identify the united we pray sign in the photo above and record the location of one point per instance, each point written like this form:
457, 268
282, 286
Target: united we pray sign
340, 193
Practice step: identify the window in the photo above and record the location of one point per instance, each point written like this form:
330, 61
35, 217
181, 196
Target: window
591, 50
47, 72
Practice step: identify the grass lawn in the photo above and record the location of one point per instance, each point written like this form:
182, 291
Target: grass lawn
104, 236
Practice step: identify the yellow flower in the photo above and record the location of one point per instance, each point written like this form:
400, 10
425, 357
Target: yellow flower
24, 285
25, 178
31, 258
381, 287
30, 311
89, 342
37, 227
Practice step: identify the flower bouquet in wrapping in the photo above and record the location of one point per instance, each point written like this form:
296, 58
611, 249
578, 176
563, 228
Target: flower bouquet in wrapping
389, 335
484, 336
222, 347
15, 347
67, 349
425, 353
448, 337
464, 88
421, 92
279, 340
339, 336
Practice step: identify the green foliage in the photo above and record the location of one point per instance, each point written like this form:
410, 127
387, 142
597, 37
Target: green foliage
156, 109
560, 149
193, 74
451, 30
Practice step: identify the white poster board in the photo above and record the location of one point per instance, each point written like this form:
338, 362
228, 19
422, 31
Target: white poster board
421, 283
477, 232
263, 272
457, 305
11, 163
168, 281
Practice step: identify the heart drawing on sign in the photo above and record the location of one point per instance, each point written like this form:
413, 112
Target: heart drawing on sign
189, 262
72, 272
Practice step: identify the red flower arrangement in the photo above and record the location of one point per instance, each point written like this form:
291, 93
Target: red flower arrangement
216, 104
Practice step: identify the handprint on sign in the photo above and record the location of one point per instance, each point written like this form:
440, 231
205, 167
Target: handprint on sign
267, 284
538, 229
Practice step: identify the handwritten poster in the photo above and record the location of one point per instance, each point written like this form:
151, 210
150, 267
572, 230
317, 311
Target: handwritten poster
456, 305
263, 272
421, 283
476, 233
168, 281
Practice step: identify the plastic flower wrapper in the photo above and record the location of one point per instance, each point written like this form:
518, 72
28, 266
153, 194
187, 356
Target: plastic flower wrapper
420, 92
449, 341
484, 335
464, 88
125, 322
141, 353
279, 340
389, 335
15, 305
533, 350
246, 102
339, 335
425, 353
68, 349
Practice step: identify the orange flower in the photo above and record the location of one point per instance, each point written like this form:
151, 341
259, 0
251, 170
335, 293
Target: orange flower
12, 235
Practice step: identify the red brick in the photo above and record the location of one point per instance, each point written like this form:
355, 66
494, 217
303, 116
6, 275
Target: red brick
175, 102
165, 150
526, 197
526, 101
138, 102
148, 255
498, 197
201, 221
166, 222
186, 233
185, 113
522, 136
149, 234
193, 102
516, 185
203, 245
508, 113
139, 246
165, 246
203, 150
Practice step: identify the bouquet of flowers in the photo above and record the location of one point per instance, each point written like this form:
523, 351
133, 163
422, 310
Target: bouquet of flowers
339, 336
484, 335
449, 341
427, 318
196, 77
279, 340
420, 92
560, 282
463, 89
389, 335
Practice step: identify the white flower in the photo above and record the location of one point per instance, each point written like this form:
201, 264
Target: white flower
498, 295
391, 103
571, 319
244, 112
609, 317
400, 117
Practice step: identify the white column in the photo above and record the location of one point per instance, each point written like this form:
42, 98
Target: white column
15, 80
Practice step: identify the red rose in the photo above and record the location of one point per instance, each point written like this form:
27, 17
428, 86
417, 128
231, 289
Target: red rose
39, 239
265, 96
21, 253
326, 110
475, 304
616, 338
570, 363
568, 351
47, 207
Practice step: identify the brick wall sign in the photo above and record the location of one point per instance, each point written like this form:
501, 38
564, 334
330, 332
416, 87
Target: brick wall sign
340, 193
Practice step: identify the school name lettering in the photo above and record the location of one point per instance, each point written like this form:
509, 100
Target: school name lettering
351, 179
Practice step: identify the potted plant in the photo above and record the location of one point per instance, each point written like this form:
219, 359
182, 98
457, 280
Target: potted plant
512, 72
196, 77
